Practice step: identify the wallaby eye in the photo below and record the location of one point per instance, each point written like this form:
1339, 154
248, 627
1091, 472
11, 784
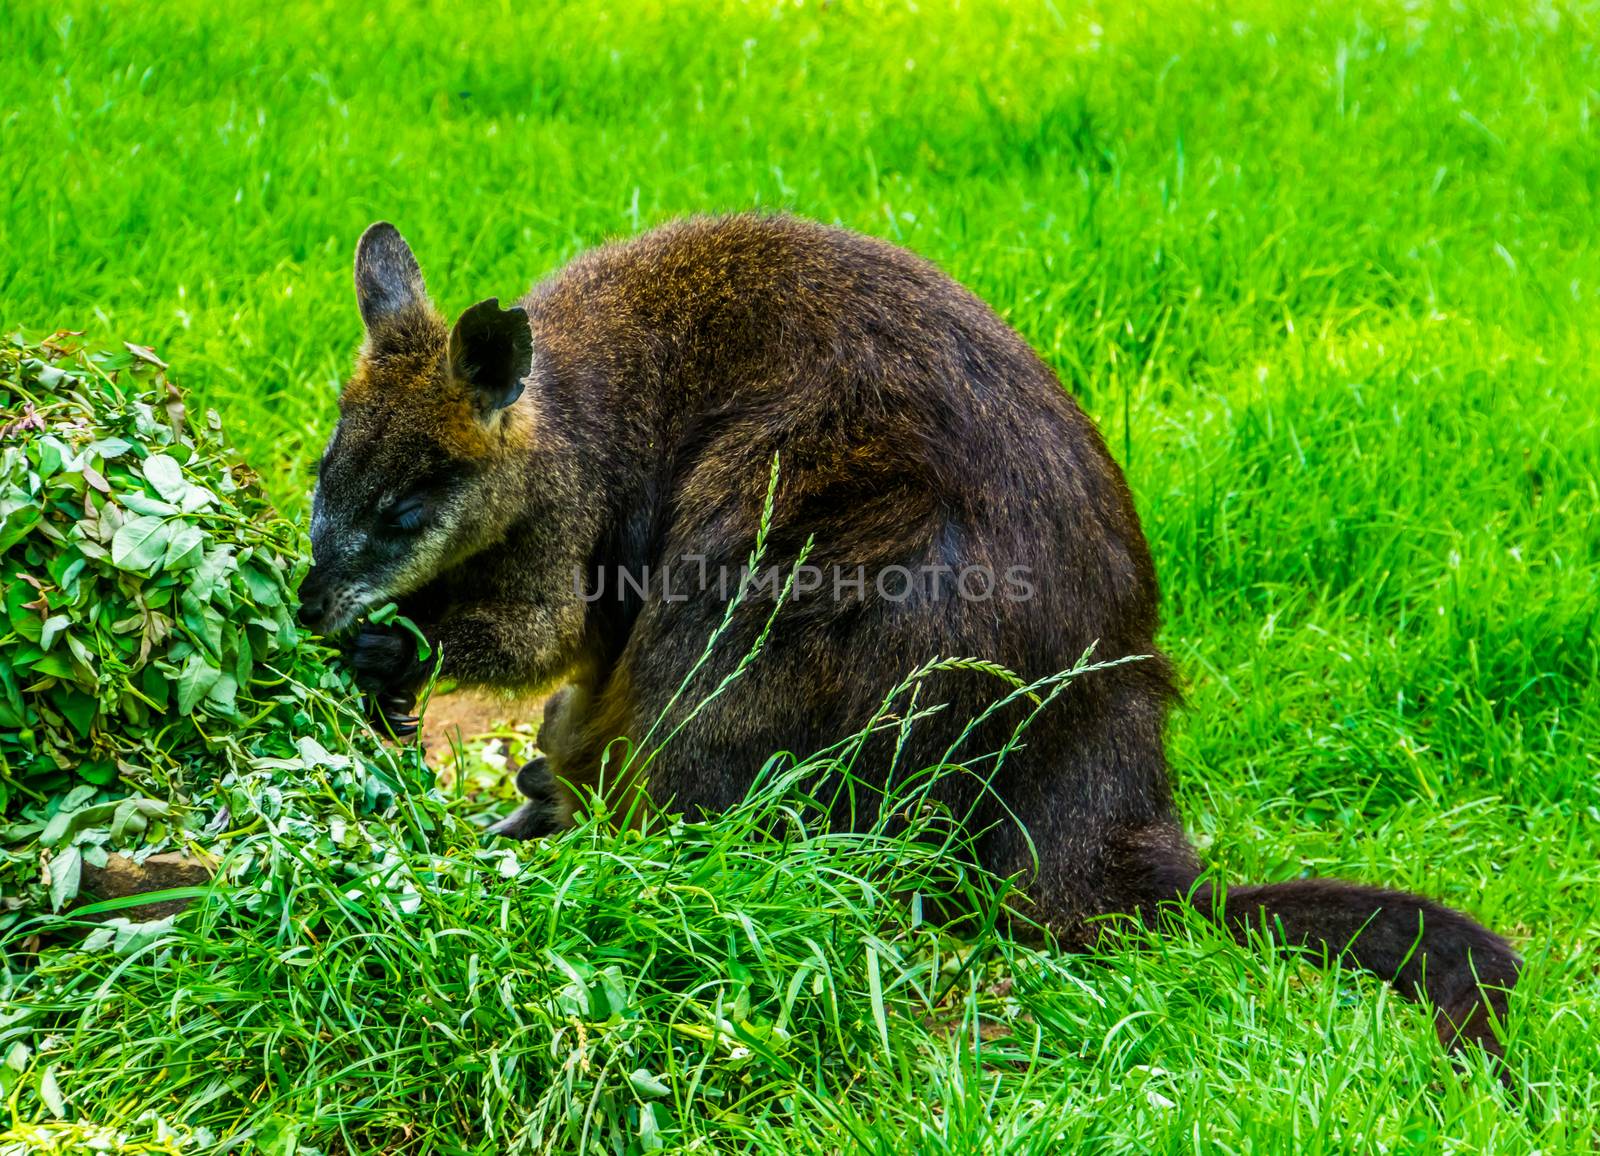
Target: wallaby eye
407, 515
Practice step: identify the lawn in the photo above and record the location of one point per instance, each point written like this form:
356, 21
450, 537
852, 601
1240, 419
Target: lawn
1328, 278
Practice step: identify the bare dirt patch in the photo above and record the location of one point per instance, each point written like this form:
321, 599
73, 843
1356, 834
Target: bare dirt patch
464, 717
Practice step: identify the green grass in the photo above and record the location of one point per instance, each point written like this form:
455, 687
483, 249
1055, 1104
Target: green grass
1327, 277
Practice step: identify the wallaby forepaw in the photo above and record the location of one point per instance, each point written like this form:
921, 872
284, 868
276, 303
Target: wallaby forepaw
384, 658
384, 661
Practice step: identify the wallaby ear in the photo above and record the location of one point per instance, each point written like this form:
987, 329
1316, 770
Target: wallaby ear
388, 280
491, 349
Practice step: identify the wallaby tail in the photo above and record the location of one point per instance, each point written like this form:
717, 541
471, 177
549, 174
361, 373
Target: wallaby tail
1432, 954
1461, 969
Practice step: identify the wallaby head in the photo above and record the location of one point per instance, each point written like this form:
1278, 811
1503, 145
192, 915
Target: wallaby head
423, 466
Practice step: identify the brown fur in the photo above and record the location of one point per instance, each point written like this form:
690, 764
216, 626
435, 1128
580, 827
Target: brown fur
915, 429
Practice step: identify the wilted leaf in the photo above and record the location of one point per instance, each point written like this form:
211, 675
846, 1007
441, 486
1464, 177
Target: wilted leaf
144, 353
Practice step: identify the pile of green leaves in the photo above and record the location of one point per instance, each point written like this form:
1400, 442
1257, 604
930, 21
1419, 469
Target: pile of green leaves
151, 668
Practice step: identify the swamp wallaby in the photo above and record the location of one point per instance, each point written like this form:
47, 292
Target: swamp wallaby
616, 429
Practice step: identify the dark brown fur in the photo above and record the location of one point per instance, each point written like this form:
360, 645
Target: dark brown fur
915, 429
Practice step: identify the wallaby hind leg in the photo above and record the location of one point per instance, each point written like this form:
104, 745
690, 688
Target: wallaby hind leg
541, 814
545, 811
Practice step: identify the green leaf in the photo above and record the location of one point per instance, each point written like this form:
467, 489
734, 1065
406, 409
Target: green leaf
647, 1085
68, 822
424, 649
124, 937
67, 579
140, 543
100, 772
108, 448
141, 503
53, 626
56, 829
186, 548
223, 692
243, 661
83, 655
66, 872
265, 589
77, 708
204, 621
54, 665
313, 754
23, 620
17, 1057
129, 822
166, 476
50, 1091
650, 1137
16, 525
156, 685
197, 498
216, 563
196, 678
52, 456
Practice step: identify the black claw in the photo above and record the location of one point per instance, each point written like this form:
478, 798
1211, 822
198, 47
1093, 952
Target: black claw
399, 724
